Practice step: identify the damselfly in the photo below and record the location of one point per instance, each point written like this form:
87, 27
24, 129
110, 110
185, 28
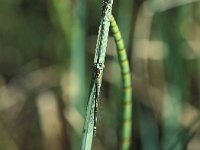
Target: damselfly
100, 49
99, 59
98, 70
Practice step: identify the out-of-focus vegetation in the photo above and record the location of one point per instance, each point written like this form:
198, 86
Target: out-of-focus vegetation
46, 54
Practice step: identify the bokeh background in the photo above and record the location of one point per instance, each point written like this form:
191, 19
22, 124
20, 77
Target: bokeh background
46, 57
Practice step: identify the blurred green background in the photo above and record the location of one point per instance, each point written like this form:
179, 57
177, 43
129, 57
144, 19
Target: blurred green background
46, 55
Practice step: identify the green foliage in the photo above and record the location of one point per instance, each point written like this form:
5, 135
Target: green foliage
46, 61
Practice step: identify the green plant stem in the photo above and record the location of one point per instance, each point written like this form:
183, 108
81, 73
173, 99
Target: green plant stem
127, 87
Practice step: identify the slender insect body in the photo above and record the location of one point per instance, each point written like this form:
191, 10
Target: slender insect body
100, 50
95, 116
98, 66
98, 70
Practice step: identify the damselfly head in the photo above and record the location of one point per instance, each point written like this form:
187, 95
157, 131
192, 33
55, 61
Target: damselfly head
99, 65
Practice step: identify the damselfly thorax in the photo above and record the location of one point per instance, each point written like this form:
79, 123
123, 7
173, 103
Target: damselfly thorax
98, 68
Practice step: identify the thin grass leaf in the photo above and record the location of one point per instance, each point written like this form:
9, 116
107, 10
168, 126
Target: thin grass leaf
100, 51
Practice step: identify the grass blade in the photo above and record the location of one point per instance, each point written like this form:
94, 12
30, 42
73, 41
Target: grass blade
100, 52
